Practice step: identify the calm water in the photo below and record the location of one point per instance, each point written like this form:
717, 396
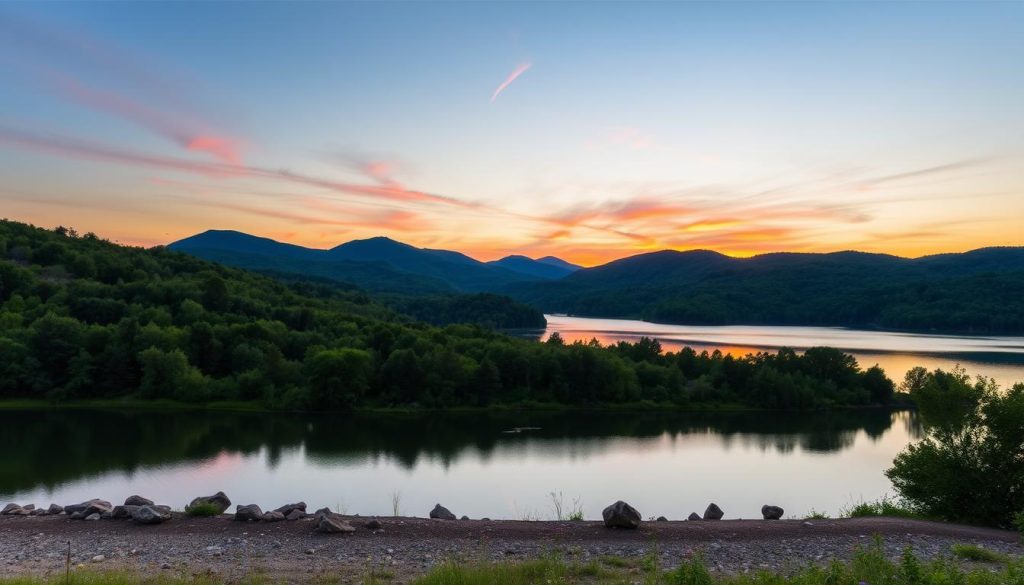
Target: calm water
667, 464
996, 357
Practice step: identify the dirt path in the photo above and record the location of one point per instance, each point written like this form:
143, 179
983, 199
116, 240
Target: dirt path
407, 547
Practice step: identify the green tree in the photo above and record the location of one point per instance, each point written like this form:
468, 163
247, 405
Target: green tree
338, 378
167, 374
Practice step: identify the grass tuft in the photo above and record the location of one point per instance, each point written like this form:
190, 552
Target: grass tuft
973, 552
882, 507
203, 510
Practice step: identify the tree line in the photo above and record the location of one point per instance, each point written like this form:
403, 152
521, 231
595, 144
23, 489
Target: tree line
82, 318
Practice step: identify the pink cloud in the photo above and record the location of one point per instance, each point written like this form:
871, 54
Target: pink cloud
519, 70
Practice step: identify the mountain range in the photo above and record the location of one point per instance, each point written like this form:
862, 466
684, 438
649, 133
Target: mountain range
981, 290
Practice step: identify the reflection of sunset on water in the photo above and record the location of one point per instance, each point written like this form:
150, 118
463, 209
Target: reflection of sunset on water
998, 357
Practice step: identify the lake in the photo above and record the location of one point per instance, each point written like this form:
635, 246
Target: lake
663, 463
998, 357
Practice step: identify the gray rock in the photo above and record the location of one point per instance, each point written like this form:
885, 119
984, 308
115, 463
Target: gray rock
55, 509
151, 514
273, 516
219, 500
77, 515
10, 509
295, 515
661, 519
289, 508
248, 513
322, 512
694, 516
772, 512
40, 512
373, 524
138, 501
99, 559
123, 512
713, 512
621, 515
93, 517
94, 506
333, 524
485, 519
464, 518
29, 507
442, 513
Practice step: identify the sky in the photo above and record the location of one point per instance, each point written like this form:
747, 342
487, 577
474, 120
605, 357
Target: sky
590, 131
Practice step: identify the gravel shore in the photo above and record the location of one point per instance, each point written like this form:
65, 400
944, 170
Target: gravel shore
408, 547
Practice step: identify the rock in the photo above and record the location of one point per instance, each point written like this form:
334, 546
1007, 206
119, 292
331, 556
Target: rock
694, 516
273, 516
138, 501
93, 517
55, 509
248, 513
807, 524
39, 512
289, 508
485, 519
772, 512
94, 506
151, 514
713, 512
123, 512
333, 524
10, 509
661, 519
442, 513
621, 515
322, 512
99, 559
77, 516
29, 507
219, 500
295, 515
373, 524
464, 518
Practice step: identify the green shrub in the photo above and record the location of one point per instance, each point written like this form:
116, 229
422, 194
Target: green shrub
973, 552
881, 507
203, 509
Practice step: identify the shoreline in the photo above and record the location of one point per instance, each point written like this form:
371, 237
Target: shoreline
409, 547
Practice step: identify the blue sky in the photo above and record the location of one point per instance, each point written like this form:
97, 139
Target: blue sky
741, 127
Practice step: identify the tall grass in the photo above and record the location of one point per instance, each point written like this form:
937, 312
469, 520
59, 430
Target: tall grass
882, 507
203, 509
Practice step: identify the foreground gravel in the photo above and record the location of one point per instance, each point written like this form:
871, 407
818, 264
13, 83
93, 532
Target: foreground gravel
407, 547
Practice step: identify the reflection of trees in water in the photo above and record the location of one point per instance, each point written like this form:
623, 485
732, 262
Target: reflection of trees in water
56, 446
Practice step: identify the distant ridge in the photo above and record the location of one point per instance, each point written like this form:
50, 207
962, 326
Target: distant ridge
549, 267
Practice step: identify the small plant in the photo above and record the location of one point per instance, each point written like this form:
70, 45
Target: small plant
576, 515
556, 503
973, 552
396, 503
882, 507
816, 515
203, 510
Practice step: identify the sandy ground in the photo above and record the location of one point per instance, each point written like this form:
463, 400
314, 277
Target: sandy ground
405, 547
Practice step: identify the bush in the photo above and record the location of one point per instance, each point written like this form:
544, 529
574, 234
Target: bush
203, 510
973, 552
882, 507
969, 466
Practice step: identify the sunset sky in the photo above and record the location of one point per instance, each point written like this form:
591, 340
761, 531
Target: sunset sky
589, 131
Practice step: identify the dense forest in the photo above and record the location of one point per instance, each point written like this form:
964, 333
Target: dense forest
82, 318
978, 291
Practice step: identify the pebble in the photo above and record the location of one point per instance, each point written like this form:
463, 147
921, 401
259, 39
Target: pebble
99, 559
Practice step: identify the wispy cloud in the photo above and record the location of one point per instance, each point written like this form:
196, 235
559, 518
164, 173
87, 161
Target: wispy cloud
519, 70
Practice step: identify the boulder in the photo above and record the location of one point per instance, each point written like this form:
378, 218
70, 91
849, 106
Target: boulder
29, 507
661, 519
295, 515
137, 501
694, 516
772, 512
55, 509
713, 512
248, 513
373, 524
10, 509
39, 512
464, 518
333, 524
151, 514
289, 508
273, 516
219, 500
94, 516
123, 512
322, 512
442, 513
621, 515
86, 509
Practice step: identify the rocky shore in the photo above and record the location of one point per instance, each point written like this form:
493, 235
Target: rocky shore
303, 549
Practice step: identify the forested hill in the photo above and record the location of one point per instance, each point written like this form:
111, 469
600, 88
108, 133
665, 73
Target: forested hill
82, 318
977, 291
